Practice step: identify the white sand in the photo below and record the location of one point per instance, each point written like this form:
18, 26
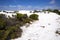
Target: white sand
36, 31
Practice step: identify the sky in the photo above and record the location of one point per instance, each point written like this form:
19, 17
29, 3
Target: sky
29, 4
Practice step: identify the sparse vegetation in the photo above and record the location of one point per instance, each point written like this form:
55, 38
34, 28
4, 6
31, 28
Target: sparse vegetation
15, 11
36, 11
56, 11
58, 31
10, 27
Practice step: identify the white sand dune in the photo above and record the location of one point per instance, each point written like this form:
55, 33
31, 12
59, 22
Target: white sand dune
42, 29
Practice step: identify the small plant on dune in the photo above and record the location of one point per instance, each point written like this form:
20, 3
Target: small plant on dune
15, 11
34, 16
36, 11
58, 31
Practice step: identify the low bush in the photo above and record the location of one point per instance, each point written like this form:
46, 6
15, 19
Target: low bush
34, 16
56, 11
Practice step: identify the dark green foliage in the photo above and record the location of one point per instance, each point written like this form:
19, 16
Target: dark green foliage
10, 27
35, 11
34, 16
17, 32
1, 34
4, 11
44, 10
56, 11
2, 21
2, 16
57, 32
30, 11
2, 24
21, 17
49, 10
27, 20
15, 11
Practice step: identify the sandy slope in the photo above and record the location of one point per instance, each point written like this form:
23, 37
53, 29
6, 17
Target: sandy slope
42, 29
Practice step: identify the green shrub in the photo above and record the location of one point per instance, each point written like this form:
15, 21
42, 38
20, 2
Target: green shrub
10, 33
2, 24
36, 11
10, 27
56, 11
21, 17
15, 32
27, 20
34, 16
1, 34
2, 21
2, 16
49, 10
15, 11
